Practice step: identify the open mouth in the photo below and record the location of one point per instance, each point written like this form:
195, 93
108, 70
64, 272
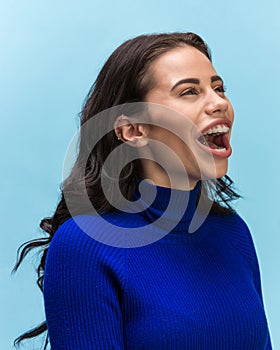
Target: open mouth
216, 140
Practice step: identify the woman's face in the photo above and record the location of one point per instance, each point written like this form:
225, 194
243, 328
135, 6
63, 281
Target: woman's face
185, 81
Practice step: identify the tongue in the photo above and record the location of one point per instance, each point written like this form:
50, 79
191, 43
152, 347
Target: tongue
212, 144
211, 141
219, 140
214, 141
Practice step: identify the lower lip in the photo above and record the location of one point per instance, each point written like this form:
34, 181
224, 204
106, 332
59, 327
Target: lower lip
216, 153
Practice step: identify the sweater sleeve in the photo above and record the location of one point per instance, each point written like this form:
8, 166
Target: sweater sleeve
247, 249
83, 287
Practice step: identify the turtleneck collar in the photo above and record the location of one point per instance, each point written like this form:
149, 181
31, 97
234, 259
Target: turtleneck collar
175, 207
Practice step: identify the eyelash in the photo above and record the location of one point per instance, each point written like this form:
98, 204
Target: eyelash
222, 87
194, 89
191, 89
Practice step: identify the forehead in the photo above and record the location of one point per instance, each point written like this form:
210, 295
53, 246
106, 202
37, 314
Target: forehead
179, 63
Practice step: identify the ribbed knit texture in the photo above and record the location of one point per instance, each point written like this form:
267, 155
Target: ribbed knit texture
184, 291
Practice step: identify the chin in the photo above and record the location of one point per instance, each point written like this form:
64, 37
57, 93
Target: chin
220, 171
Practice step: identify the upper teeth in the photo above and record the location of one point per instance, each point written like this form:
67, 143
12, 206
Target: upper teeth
217, 129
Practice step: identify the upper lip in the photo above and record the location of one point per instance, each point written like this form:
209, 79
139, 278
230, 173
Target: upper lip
218, 121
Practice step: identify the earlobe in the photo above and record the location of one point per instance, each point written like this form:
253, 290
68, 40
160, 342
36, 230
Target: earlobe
133, 134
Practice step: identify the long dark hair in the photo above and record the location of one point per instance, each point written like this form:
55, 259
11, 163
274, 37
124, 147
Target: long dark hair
123, 79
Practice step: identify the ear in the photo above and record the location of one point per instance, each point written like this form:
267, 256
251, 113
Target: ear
134, 134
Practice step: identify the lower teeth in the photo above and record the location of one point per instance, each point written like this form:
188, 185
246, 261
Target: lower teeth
213, 146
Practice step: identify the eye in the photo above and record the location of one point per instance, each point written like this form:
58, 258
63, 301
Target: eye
190, 91
220, 89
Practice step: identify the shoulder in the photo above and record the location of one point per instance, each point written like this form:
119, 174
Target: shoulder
240, 236
75, 232
78, 241
240, 232
232, 224
234, 229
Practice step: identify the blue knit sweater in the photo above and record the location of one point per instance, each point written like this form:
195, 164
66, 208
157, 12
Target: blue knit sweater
183, 291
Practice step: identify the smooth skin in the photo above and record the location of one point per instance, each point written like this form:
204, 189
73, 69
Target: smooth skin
185, 81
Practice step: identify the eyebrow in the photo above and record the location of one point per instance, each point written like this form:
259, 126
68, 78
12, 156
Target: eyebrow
195, 81
215, 78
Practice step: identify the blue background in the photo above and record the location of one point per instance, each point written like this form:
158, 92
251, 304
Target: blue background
51, 53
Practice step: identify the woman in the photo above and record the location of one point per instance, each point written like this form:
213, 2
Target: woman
182, 281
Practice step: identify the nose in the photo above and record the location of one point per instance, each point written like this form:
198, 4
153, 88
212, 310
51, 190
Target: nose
216, 103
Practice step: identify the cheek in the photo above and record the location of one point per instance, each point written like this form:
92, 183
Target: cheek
230, 111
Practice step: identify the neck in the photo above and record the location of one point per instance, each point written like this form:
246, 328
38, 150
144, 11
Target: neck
165, 207
155, 174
